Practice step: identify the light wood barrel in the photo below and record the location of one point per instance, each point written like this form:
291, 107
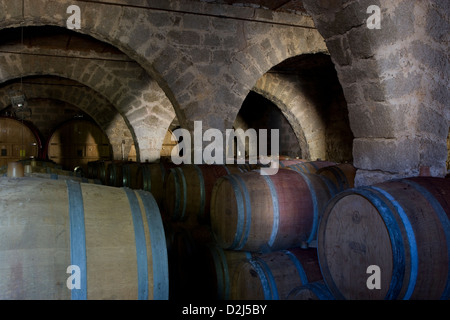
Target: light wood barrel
56, 176
188, 191
310, 166
311, 291
257, 213
400, 227
272, 276
114, 236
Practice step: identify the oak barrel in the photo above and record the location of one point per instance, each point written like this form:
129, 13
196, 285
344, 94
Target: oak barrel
57, 176
188, 270
258, 213
311, 291
187, 191
272, 276
341, 175
130, 175
290, 162
151, 177
114, 236
115, 173
219, 268
310, 166
396, 234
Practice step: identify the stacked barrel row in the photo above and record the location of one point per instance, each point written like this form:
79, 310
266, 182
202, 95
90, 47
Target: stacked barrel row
208, 268
251, 222
183, 195
386, 241
274, 218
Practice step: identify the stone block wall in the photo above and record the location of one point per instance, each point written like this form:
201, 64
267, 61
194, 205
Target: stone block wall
393, 79
198, 61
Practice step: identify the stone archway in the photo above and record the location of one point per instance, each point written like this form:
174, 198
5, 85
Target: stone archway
395, 81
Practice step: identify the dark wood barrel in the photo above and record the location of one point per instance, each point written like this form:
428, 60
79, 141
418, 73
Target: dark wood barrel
341, 175
18, 140
310, 166
188, 268
311, 291
272, 276
114, 237
219, 268
77, 142
258, 213
396, 234
115, 173
188, 191
93, 168
151, 177
101, 170
130, 175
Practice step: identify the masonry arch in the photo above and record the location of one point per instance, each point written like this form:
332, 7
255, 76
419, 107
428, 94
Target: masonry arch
120, 80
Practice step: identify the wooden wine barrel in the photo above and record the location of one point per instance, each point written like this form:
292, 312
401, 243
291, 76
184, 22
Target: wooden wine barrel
341, 175
101, 170
219, 267
115, 173
77, 142
151, 177
310, 166
182, 252
257, 213
187, 192
311, 291
401, 227
56, 176
17, 141
272, 276
93, 169
130, 175
187, 267
113, 236
290, 162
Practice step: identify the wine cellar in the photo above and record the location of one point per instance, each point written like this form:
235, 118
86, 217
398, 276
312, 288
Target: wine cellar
116, 177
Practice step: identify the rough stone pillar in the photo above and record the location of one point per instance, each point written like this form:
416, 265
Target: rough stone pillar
395, 80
